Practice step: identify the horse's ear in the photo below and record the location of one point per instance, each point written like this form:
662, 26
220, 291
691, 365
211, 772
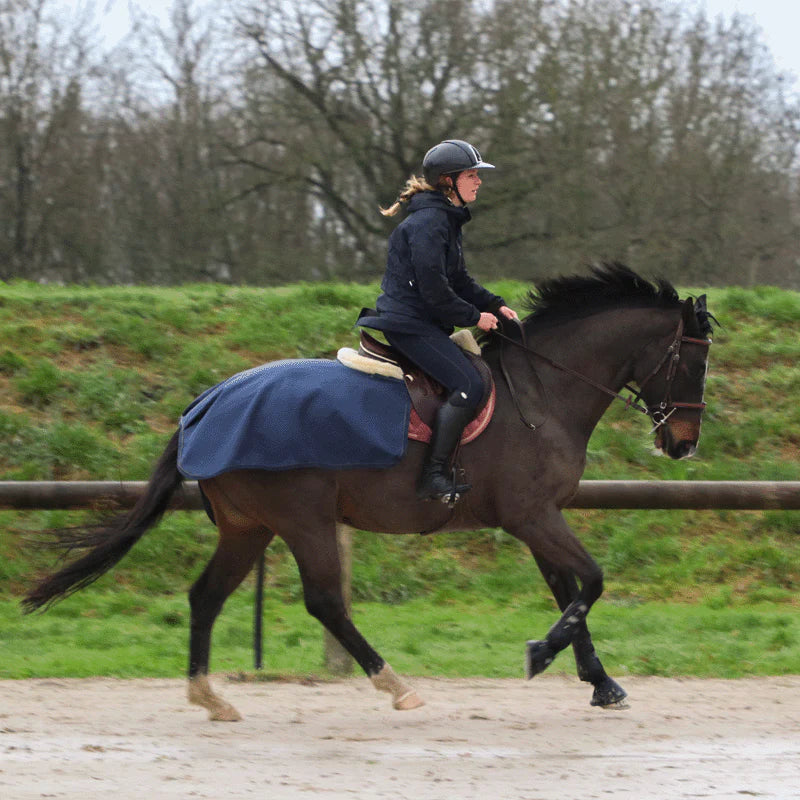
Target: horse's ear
701, 305
703, 316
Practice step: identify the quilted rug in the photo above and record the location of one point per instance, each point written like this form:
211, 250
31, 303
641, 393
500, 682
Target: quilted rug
293, 414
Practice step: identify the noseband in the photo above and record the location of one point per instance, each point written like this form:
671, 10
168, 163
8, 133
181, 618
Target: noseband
658, 413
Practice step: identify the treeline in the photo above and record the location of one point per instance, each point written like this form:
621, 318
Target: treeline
253, 141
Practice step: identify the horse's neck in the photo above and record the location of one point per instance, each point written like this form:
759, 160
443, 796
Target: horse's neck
603, 349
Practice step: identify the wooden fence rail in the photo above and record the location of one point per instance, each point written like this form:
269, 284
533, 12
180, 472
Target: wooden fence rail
742, 495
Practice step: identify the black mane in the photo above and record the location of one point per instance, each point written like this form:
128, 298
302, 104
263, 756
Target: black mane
609, 285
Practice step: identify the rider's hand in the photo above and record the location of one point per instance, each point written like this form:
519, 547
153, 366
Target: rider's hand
508, 313
487, 322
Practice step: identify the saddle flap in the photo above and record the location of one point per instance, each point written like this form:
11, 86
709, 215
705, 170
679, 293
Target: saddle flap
426, 393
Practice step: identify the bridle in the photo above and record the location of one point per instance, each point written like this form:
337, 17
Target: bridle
659, 413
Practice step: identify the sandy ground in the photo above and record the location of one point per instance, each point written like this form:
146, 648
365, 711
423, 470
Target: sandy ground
492, 739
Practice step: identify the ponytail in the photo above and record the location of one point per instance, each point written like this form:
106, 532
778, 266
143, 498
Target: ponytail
414, 185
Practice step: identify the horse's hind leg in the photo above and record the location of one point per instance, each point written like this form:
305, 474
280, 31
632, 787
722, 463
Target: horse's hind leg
317, 556
607, 692
237, 550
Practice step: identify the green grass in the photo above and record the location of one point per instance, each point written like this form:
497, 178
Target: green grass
92, 381
125, 635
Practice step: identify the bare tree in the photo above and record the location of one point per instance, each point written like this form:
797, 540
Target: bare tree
362, 89
44, 142
163, 127
656, 138
256, 145
732, 156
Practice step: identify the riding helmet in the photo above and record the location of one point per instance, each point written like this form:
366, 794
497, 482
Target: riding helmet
449, 157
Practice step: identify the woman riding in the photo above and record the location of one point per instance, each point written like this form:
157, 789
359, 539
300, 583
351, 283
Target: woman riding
427, 292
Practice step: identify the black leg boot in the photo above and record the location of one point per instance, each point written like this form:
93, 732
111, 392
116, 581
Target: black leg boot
436, 480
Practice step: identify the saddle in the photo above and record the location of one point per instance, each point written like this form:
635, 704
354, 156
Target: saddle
426, 393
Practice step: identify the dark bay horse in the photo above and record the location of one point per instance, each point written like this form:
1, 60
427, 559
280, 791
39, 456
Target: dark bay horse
556, 372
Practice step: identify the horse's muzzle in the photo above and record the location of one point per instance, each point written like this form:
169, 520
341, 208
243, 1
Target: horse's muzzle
678, 438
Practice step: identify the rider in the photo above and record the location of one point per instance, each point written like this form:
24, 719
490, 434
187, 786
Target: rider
427, 292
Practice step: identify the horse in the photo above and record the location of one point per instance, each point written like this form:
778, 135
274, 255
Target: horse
584, 340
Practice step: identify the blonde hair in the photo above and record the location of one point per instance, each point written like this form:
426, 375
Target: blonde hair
414, 185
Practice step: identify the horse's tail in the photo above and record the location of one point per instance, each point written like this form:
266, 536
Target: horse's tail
108, 541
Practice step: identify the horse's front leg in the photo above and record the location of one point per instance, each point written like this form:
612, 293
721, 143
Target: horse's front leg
552, 541
607, 692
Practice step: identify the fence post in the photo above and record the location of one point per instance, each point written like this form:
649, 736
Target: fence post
258, 614
337, 659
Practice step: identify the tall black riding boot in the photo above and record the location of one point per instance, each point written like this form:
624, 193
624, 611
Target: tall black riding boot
436, 479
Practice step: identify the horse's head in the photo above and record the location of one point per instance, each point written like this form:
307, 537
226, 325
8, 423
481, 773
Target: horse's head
669, 369
673, 389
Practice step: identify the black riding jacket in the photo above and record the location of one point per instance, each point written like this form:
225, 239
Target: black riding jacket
426, 284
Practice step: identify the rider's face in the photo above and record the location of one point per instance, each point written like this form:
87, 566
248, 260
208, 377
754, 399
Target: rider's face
468, 183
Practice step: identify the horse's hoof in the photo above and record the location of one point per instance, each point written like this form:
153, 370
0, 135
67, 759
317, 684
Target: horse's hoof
538, 657
408, 701
609, 694
224, 713
404, 698
201, 694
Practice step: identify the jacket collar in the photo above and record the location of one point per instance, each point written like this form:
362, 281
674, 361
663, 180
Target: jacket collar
422, 200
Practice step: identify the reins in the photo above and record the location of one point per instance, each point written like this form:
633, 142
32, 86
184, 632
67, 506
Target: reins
657, 413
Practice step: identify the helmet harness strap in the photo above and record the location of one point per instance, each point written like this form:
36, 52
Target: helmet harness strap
454, 178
